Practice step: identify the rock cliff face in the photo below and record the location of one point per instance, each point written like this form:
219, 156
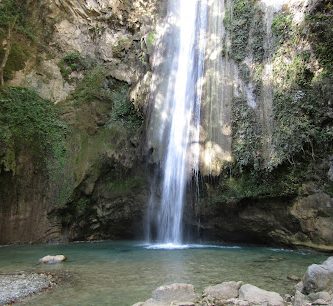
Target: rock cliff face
80, 173
302, 222
92, 60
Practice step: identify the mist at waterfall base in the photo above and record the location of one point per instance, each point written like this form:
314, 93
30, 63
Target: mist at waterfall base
177, 107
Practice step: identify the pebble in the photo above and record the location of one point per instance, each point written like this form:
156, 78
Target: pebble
14, 287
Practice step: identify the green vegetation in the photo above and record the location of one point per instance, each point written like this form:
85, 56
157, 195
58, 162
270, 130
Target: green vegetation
123, 111
301, 94
302, 132
97, 86
16, 37
93, 86
28, 122
282, 26
320, 34
73, 61
239, 24
257, 184
243, 19
293, 127
246, 137
18, 11
294, 109
150, 40
258, 35
18, 56
303, 91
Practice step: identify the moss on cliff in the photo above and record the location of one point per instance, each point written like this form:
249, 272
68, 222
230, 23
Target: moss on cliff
282, 26
29, 122
244, 21
123, 111
302, 133
246, 144
302, 91
92, 86
320, 33
238, 22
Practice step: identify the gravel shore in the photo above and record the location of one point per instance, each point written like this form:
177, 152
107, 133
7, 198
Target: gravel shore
14, 287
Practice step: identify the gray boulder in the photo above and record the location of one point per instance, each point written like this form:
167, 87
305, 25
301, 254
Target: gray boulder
171, 295
319, 277
323, 296
257, 296
224, 291
300, 299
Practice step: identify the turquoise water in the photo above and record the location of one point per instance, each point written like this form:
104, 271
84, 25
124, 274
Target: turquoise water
122, 273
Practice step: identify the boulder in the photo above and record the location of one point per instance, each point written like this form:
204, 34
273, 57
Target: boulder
300, 299
52, 259
257, 296
319, 277
323, 296
174, 292
172, 295
222, 292
236, 302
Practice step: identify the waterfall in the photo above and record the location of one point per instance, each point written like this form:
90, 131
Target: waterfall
174, 125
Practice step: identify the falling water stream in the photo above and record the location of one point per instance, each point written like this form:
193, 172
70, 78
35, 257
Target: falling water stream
178, 100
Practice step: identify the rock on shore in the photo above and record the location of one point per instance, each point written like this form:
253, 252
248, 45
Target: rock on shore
174, 294
317, 285
315, 289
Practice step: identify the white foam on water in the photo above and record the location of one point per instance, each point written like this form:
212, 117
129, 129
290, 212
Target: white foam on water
174, 246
